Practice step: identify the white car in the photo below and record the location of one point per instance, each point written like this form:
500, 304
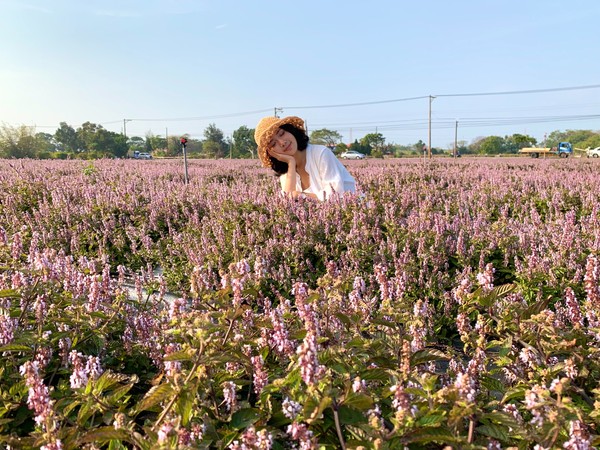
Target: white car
594, 153
352, 154
142, 155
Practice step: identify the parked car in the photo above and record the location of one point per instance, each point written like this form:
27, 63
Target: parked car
142, 155
594, 153
352, 154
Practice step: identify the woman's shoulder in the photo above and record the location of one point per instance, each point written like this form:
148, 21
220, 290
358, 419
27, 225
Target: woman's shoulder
319, 150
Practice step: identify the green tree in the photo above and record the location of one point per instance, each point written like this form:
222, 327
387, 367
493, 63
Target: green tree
575, 137
326, 137
158, 143
340, 148
99, 142
359, 147
136, 143
512, 144
214, 144
243, 143
18, 142
67, 139
492, 145
372, 141
45, 143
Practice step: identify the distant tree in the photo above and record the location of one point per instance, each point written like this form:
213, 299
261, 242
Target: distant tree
492, 145
359, 147
326, 137
45, 143
214, 144
340, 148
554, 138
99, 142
592, 142
155, 143
213, 149
136, 143
373, 141
67, 139
243, 143
17, 142
419, 146
512, 144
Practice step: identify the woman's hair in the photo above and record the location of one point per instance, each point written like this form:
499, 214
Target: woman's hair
302, 140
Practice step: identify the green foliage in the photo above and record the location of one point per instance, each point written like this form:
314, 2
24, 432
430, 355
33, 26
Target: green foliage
329, 138
412, 347
243, 143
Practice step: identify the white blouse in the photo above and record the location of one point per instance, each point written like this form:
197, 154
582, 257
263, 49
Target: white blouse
327, 173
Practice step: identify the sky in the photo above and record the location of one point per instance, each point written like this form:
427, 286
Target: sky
476, 67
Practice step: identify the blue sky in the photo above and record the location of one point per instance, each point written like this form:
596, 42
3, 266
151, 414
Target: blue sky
180, 65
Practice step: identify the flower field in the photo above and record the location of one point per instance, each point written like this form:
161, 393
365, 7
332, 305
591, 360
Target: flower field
448, 303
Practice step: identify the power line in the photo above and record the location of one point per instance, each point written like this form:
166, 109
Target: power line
221, 116
378, 102
529, 91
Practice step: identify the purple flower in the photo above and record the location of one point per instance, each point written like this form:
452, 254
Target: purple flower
7, 328
290, 408
229, 396
260, 376
39, 398
486, 278
310, 369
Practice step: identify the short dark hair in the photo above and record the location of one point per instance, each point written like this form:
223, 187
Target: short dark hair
301, 139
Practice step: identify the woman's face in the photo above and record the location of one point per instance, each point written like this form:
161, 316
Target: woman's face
283, 142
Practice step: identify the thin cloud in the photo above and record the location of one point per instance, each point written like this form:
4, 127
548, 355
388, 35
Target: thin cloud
119, 14
31, 7
220, 27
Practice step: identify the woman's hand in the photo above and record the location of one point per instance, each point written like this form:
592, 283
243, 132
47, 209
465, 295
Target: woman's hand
283, 157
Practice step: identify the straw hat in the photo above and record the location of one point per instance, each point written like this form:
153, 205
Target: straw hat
265, 130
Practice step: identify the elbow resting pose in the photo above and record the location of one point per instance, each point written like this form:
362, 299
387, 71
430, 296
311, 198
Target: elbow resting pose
304, 170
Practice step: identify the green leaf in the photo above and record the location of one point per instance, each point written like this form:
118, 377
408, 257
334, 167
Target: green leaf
495, 431
85, 412
375, 374
350, 416
502, 290
535, 308
344, 319
431, 420
313, 408
514, 393
185, 404
426, 355
244, 417
359, 401
15, 348
107, 380
499, 418
493, 384
104, 434
154, 396
9, 293
428, 435
182, 355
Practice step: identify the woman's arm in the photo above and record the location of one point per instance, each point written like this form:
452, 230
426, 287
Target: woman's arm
288, 180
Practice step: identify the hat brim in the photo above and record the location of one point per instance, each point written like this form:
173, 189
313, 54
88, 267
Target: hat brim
263, 145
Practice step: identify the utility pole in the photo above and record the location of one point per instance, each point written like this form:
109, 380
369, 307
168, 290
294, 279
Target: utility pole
167, 138
431, 97
277, 110
125, 133
125, 127
455, 137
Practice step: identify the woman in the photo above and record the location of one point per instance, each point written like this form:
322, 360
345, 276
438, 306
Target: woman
304, 170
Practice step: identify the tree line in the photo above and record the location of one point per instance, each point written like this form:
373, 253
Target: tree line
92, 141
